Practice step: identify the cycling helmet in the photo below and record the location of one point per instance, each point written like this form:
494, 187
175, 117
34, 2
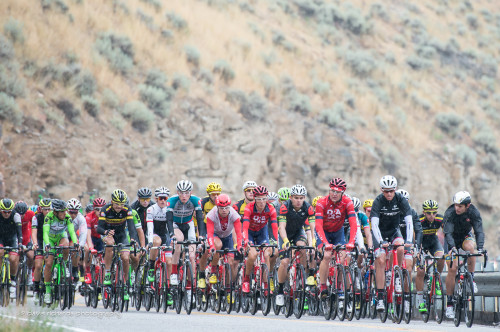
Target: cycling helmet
162, 191
404, 193
34, 208
74, 204
388, 182
21, 207
249, 184
119, 196
284, 193
367, 203
89, 208
272, 196
299, 190
59, 205
213, 187
462, 197
184, 185
356, 202
315, 200
223, 200
144, 192
430, 205
338, 184
44, 202
7, 204
99, 202
260, 191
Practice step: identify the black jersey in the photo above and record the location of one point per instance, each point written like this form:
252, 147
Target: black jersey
9, 227
294, 219
430, 228
390, 213
141, 211
110, 219
458, 226
417, 227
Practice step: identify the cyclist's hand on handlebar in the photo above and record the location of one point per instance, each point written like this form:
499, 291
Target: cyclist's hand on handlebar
212, 250
349, 246
149, 245
385, 244
47, 247
481, 251
329, 246
363, 250
76, 245
286, 244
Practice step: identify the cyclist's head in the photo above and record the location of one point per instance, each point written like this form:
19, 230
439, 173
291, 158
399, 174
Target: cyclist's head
58, 205
144, 192
45, 203
356, 202
119, 197
260, 194
430, 205
338, 184
214, 187
298, 190
367, 203
21, 207
162, 192
89, 208
284, 194
6, 206
248, 188
98, 202
404, 193
462, 201
272, 197
223, 200
388, 183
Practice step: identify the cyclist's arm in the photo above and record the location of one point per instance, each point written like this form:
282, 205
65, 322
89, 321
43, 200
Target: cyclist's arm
150, 224
409, 228
210, 232
319, 223
46, 229
274, 222
101, 225
71, 230
359, 236
477, 225
419, 233
202, 227
376, 229
19, 228
89, 239
132, 231
170, 222
83, 230
282, 226
237, 230
353, 224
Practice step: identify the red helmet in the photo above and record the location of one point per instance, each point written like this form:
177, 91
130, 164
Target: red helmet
223, 200
338, 184
99, 202
260, 191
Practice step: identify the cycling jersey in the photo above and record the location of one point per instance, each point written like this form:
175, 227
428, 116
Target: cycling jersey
156, 219
80, 225
386, 215
54, 228
182, 213
11, 229
430, 228
141, 211
296, 220
457, 227
417, 228
255, 221
92, 219
206, 205
223, 227
363, 224
330, 217
37, 220
26, 221
240, 206
109, 219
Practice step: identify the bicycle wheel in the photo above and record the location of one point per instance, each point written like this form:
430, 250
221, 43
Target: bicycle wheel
398, 295
61, 287
188, 286
341, 292
372, 296
312, 300
237, 288
407, 297
217, 294
21, 284
438, 300
265, 290
357, 297
253, 306
120, 286
229, 288
164, 286
426, 295
350, 300
384, 313
276, 308
457, 300
327, 302
298, 296
158, 296
468, 299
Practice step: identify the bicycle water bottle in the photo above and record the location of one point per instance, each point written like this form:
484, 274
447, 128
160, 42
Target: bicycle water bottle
366, 277
387, 278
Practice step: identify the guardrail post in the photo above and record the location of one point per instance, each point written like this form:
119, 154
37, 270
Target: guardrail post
489, 302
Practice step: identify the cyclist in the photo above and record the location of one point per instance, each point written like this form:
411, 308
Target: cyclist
255, 231
80, 226
221, 222
208, 202
459, 220
94, 240
431, 222
157, 230
114, 220
10, 236
296, 218
331, 212
240, 205
56, 226
273, 199
142, 204
387, 210
366, 234
180, 210
44, 207
26, 219
283, 194
367, 206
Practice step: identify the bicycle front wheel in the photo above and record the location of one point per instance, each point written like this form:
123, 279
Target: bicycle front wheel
265, 290
298, 291
438, 300
468, 299
228, 288
398, 295
457, 303
188, 286
341, 292
407, 297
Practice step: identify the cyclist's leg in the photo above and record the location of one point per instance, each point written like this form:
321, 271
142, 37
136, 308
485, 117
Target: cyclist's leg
469, 244
13, 257
153, 254
190, 234
108, 252
438, 251
64, 242
180, 237
397, 240
122, 238
325, 262
284, 262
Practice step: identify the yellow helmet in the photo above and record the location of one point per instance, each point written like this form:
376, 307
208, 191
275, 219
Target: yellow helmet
213, 187
315, 200
367, 203
119, 196
430, 205
7, 204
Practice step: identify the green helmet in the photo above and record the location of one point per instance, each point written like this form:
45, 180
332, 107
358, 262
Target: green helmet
284, 194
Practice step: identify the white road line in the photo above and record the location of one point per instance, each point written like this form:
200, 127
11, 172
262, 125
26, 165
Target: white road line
71, 328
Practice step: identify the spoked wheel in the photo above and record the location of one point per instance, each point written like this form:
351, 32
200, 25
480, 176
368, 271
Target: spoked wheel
276, 308
298, 291
120, 287
265, 290
188, 286
438, 300
350, 295
158, 296
139, 288
288, 295
61, 290
164, 287
427, 299
177, 296
398, 295
326, 302
228, 288
457, 304
407, 303
468, 300
384, 313
87, 295
372, 296
312, 300
341, 292
106, 297
359, 292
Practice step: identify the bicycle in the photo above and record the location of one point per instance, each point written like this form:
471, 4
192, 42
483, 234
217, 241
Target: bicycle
312, 291
463, 294
61, 283
159, 288
140, 292
202, 294
354, 288
5, 276
91, 290
432, 283
370, 287
398, 291
116, 292
182, 294
222, 293
22, 278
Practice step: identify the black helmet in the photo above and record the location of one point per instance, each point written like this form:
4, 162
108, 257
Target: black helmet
144, 192
59, 205
89, 208
21, 207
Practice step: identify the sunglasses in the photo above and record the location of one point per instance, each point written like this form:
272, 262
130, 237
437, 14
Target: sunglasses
7, 211
388, 190
144, 199
45, 209
429, 213
97, 209
73, 211
162, 198
118, 204
249, 189
224, 208
260, 199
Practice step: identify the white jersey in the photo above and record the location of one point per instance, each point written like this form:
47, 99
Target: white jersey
223, 231
80, 225
156, 221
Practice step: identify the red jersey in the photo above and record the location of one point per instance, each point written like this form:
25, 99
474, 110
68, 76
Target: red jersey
255, 221
330, 217
92, 220
26, 225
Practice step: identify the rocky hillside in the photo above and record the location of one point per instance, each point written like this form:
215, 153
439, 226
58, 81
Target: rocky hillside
105, 94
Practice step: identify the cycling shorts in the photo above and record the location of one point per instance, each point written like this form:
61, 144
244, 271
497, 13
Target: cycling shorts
227, 242
9, 240
432, 244
121, 237
300, 236
55, 240
97, 243
335, 238
258, 237
187, 230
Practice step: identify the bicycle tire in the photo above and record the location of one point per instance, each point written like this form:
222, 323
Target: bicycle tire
350, 299
228, 287
252, 296
358, 293
407, 297
397, 297
61, 287
428, 300
276, 308
121, 284
164, 286
21, 284
384, 313
341, 288
188, 286
158, 290
457, 303
372, 295
438, 300
139, 288
298, 291
217, 294
265, 290
468, 300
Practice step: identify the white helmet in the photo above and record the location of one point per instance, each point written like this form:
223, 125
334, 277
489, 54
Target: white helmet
162, 191
356, 202
184, 185
388, 182
74, 204
272, 196
462, 197
249, 184
298, 190
404, 193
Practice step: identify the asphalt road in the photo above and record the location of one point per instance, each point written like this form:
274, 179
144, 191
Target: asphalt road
81, 319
